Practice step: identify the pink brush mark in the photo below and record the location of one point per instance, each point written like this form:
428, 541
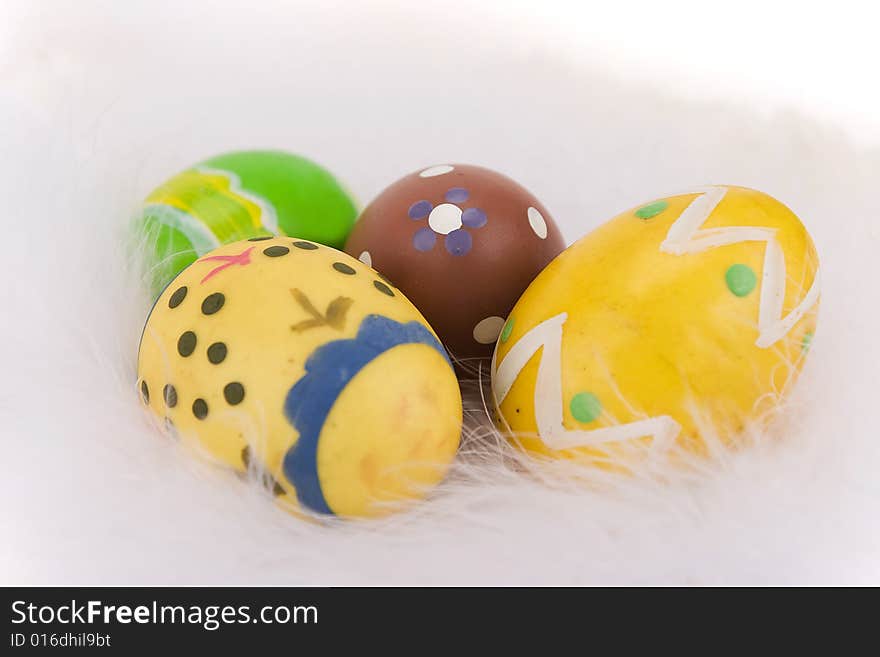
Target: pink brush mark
243, 258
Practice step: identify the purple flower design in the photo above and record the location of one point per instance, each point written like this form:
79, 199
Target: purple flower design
448, 219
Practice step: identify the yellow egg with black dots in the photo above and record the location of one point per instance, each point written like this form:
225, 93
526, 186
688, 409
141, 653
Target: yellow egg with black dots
298, 357
689, 315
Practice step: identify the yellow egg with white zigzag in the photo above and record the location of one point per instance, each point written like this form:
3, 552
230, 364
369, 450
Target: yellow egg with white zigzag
683, 317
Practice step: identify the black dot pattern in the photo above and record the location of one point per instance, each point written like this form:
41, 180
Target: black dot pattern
145, 392
306, 246
233, 393
200, 409
217, 353
213, 303
260, 238
170, 395
275, 251
343, 268
186, 344
385, 278
178, 297
384, 289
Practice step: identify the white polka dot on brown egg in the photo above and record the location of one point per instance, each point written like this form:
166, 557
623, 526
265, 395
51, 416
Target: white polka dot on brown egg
438, 170
537, 222
487, 330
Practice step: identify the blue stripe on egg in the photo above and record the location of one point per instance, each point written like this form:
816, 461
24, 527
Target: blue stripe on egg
328, 371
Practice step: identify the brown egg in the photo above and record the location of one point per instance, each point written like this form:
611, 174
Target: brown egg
462, 242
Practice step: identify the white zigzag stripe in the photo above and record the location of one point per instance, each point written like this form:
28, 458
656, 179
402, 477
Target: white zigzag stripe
548, 395
685, 236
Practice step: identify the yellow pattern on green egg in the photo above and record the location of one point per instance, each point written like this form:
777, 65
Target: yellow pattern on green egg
210, 196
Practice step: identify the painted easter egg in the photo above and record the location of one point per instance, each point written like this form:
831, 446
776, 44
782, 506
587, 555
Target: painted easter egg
235, 196
463, 243
295, 357
684, 317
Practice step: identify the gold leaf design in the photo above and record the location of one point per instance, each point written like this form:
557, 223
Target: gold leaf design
334, 317
336, 312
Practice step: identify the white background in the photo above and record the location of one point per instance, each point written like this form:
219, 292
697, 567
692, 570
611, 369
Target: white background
820, 57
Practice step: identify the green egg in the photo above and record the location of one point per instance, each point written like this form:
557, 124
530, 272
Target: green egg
236, 196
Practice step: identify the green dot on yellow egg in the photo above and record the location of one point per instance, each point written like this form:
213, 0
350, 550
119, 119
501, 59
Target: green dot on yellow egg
807, 341
652, 209
507, 330
585, 407
740, 279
